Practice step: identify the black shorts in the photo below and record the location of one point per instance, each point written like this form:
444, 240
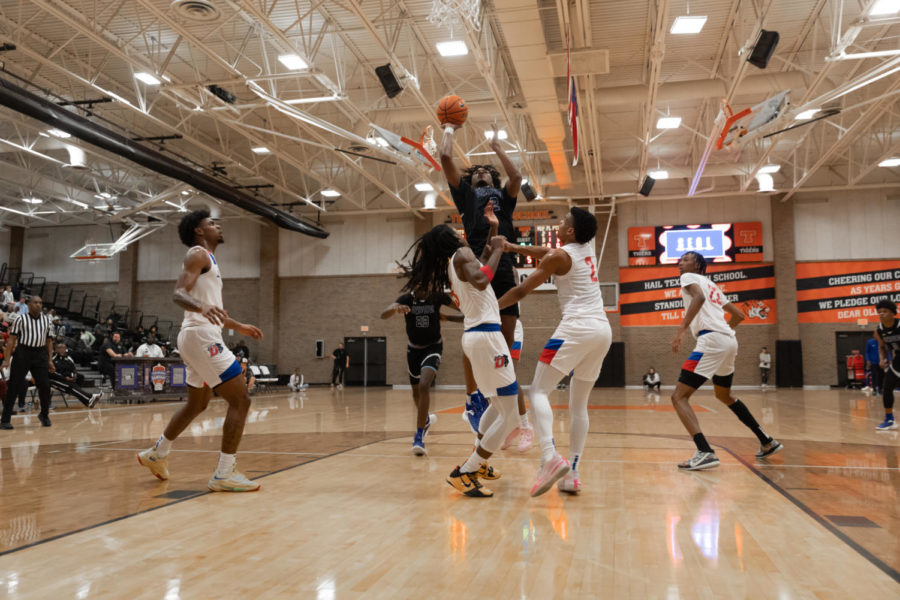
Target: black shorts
503, 281
421, 358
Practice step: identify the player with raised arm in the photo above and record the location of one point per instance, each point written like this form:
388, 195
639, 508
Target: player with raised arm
578, 345
713, 357
210, 364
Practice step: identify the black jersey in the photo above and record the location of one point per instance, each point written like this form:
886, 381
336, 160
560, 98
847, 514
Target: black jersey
423, 322
470, 203
891, 338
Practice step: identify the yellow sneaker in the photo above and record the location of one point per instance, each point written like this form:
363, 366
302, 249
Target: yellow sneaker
487, 472
158, 466
468, 484
236, 482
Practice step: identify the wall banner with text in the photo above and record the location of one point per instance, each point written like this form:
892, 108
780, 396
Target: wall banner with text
844, 292
651, 296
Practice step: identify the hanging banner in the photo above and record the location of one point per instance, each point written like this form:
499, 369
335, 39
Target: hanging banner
844, 292
650, 297
717, 242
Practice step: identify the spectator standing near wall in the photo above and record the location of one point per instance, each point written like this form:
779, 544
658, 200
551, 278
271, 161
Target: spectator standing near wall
765, 364
876, 373
341, 363
8, 300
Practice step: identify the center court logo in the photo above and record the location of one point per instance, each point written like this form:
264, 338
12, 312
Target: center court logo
216, 349
500, 361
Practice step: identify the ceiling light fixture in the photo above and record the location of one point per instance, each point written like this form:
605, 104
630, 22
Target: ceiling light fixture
77, 203
292, 62
806, 114
381, 142
660, 174
687, 24
106, 195
424, 187
59, 133
501, 134
890, 162
452, 48
260, 150
430, 201
766, 183
185, 192
668, 123
147, 78
769, 169
32, 200
178, 206
330, 193
884, 7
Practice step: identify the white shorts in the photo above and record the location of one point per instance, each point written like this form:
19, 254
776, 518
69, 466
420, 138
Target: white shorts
518, 341
491, 364
208, 360
578, 346
714, 354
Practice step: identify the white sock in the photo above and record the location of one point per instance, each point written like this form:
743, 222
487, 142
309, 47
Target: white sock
545, 380
579, 424
523, 421
226, 464
472, 464
548, 450
163, 445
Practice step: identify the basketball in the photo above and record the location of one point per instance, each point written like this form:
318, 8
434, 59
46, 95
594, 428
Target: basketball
452, 110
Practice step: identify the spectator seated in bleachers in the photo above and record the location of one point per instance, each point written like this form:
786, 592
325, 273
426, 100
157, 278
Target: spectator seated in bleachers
67, 380
112, 348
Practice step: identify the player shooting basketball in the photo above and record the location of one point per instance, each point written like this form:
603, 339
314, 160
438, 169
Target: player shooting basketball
472, 190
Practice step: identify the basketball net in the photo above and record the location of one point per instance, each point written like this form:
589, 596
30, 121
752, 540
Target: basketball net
449, 12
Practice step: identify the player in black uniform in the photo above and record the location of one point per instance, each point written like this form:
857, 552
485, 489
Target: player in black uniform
888, 336
423, 351
471, 190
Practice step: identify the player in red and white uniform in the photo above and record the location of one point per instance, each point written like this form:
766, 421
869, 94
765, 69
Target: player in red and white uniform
713, 357
578, 345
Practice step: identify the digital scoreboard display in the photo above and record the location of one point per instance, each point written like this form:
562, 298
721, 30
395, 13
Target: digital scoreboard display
717, 242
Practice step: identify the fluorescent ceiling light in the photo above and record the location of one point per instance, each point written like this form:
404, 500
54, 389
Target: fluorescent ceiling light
381, 142
260, 150
806, 114
501, 134
178, 206
424, 187
661, 174
884, 7
430, 201
59, 133
452, 48
668, 123
185, 192
687, 24
292, 62
891, 162
330, 193
44, 212
313, 100
769, 169
33, 200
766, 183
106, 195
76, 202
147, 78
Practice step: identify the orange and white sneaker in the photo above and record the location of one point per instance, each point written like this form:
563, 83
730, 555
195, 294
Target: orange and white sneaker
570, 483
468, 484
485, 471
511, 438
526, 439
235, 482
158, 466
550, 472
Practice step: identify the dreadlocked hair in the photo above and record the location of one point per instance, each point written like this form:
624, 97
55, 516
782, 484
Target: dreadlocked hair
495, 174
700, 260
428, 273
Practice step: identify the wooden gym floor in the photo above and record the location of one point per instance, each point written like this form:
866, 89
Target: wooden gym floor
346, 511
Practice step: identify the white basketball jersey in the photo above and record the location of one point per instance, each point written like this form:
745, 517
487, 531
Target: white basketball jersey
477, 306
711, 316
579, 289
207, 289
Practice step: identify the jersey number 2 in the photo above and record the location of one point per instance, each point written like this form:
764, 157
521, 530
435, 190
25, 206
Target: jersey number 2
589, 261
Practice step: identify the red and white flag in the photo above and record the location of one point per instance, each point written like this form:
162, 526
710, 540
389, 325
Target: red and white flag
573, 100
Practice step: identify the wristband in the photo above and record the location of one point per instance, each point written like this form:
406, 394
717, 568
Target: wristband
448, 130
487, 271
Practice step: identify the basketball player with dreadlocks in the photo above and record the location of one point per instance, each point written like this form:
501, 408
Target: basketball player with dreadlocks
443, 259
713, 357
472, 191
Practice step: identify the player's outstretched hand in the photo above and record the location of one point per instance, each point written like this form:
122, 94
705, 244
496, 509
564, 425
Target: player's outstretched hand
402, 309
251, 330
497, 243
490, 215
495, 138
214, 314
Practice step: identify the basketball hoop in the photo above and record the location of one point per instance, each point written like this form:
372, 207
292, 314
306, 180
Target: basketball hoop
448, 12
94, 252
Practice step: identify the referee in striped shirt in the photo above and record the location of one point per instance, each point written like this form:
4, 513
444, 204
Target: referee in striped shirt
31, 345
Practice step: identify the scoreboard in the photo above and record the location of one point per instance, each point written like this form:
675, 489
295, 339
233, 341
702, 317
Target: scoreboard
717, 242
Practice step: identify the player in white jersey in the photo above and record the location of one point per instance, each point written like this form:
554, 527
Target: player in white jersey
444, 260
578, 345
210, 364
713, 357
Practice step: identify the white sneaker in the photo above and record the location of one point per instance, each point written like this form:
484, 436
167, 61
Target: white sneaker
700, 460
94, 399
570, 484
235, 482
549, 473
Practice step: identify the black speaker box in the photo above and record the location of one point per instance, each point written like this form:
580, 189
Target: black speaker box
788, 363
388, 81
765, 47
648, 185
529, 192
